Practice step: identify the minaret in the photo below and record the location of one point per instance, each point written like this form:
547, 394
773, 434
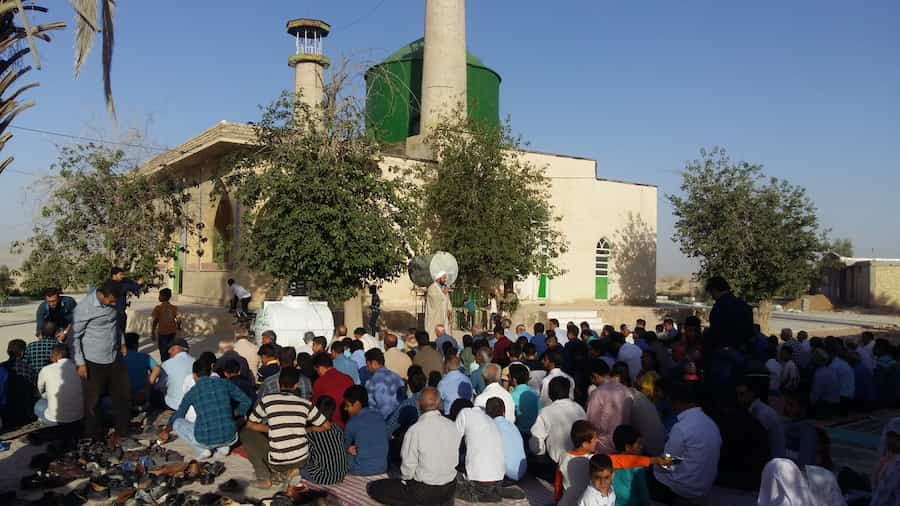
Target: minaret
308, 61
443, 66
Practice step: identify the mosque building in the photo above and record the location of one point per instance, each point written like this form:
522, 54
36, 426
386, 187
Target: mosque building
610, 226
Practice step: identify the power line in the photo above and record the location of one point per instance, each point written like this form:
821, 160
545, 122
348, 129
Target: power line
363, 17
89, 139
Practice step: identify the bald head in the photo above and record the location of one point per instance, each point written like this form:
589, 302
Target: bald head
390, 341
429, 400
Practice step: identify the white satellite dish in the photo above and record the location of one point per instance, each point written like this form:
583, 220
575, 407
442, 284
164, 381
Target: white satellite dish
443, 262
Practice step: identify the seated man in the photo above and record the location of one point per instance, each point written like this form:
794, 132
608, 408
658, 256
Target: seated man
268, 363
142, 369
232, 373
211, 399
454, 385
407, 412
177, 369
226, 353
550, 434
430, 454
343, 363
365, 436
275, 436
37, 353
749, 399
328, 462
493, 388
331, 382
485, 466
513, 446
62, 399
695, 439
287, 357
19, 408
384, 386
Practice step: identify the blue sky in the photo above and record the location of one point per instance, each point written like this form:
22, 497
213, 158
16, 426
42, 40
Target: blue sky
810, 89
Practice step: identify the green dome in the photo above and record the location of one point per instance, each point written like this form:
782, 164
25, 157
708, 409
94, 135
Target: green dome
415, 49
394, 93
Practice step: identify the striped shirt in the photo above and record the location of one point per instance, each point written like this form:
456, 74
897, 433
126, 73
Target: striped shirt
328, 461
287, 417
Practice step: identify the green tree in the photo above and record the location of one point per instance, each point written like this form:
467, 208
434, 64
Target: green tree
761, 234
102, 213
317, 207
487, 205
828, 262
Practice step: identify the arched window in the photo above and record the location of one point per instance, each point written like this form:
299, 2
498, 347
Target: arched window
601, 270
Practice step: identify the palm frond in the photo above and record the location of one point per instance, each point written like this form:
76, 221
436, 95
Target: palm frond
109, 12
85, 28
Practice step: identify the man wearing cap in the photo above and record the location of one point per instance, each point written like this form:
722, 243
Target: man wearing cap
437, 303
177, 368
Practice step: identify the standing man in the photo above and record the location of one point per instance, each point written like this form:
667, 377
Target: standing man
731, 319
58, 309
97, 343
437, 303
239, 294
376, 310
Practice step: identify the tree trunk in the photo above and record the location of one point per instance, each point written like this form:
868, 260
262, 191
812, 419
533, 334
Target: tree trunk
762, 313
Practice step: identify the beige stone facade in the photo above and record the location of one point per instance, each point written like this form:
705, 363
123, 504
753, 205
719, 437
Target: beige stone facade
869, 282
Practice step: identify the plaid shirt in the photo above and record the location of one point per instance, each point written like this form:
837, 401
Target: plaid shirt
20, 366
211, 399
37, 353
270, 386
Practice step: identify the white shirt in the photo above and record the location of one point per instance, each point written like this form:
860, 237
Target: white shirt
790, 376
631, 355
846, 377
593, 497
696, 439
545, 386
493, 305
551, 432
824, 487
238, 291
430, 450
368, 342
497, 390
769, 419
484, 446
60, 385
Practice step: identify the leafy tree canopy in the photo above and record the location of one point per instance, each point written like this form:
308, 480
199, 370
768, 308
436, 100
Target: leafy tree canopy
318, 208
487, 205
102, 213
762, 234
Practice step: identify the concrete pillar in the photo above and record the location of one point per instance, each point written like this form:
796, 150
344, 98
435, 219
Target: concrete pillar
309, 82
444, 62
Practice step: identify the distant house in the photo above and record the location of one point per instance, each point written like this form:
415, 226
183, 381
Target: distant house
869, 282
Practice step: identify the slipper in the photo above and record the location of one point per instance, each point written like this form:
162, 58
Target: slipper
233, 486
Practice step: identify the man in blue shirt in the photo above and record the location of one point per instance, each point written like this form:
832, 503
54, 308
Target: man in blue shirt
142, 369
58, 309
454, 385
365, 435
483, 358
96, 340
342, 363
177, 368
539, 340
441, 337
385, 388
513, 444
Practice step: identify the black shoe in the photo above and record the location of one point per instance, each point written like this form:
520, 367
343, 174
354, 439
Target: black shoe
233, 486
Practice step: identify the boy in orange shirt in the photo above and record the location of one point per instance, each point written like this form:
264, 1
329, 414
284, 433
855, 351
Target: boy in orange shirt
630, 478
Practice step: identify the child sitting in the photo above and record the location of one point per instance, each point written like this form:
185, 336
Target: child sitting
573, 475
328, 462
600, 491
630, 482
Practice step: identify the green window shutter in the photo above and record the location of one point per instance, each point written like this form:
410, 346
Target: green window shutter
542, 287
601, 288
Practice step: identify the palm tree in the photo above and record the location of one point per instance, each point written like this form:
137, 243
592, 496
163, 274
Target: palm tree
16, 27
